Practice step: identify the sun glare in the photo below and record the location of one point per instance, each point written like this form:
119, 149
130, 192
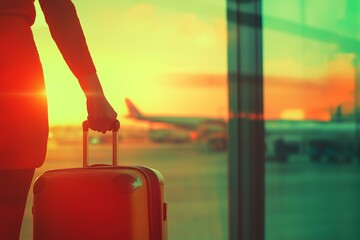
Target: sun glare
292, 114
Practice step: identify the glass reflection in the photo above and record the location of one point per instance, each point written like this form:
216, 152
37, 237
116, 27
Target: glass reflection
311, 92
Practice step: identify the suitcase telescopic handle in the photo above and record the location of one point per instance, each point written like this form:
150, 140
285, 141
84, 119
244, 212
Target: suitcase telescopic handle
115, 129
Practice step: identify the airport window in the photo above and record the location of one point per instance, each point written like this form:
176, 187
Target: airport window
311, 110
291, 101
163, 66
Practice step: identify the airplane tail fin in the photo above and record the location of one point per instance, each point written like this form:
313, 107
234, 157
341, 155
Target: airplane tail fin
133, 110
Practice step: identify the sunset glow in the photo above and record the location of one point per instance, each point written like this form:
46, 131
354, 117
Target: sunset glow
173, 59
134, 46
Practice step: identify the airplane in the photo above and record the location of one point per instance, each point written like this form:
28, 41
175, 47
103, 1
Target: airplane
212, 130
189, 123
316, 140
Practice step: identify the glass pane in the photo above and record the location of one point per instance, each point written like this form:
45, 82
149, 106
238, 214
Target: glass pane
311, 101
168, 59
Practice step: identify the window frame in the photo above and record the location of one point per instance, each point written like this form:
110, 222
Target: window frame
246, 123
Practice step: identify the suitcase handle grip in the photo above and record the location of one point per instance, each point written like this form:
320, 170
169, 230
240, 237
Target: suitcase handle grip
115, 129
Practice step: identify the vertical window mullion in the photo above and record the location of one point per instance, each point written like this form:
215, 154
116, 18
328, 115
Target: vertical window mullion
246, 124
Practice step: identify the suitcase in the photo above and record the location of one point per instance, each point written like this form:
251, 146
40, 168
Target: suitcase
100, 202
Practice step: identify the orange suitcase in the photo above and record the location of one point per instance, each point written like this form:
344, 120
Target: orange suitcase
100, 202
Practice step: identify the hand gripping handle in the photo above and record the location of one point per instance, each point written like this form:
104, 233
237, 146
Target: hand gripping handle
115, 129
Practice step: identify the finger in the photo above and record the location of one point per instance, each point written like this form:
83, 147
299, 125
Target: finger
96, 124
101, 125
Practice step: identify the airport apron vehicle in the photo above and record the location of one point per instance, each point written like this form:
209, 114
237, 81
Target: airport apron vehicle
100, 201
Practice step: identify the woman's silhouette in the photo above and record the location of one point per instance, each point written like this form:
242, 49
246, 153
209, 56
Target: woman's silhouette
23, 105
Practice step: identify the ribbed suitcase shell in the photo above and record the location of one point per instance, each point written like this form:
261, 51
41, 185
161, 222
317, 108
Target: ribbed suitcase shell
101, 202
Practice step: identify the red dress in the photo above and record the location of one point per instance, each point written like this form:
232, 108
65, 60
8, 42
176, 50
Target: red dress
23, 105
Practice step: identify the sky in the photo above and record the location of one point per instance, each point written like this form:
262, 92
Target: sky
141, 50
309, 70
170, 57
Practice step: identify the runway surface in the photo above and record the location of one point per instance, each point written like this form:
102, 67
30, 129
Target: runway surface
304, 200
